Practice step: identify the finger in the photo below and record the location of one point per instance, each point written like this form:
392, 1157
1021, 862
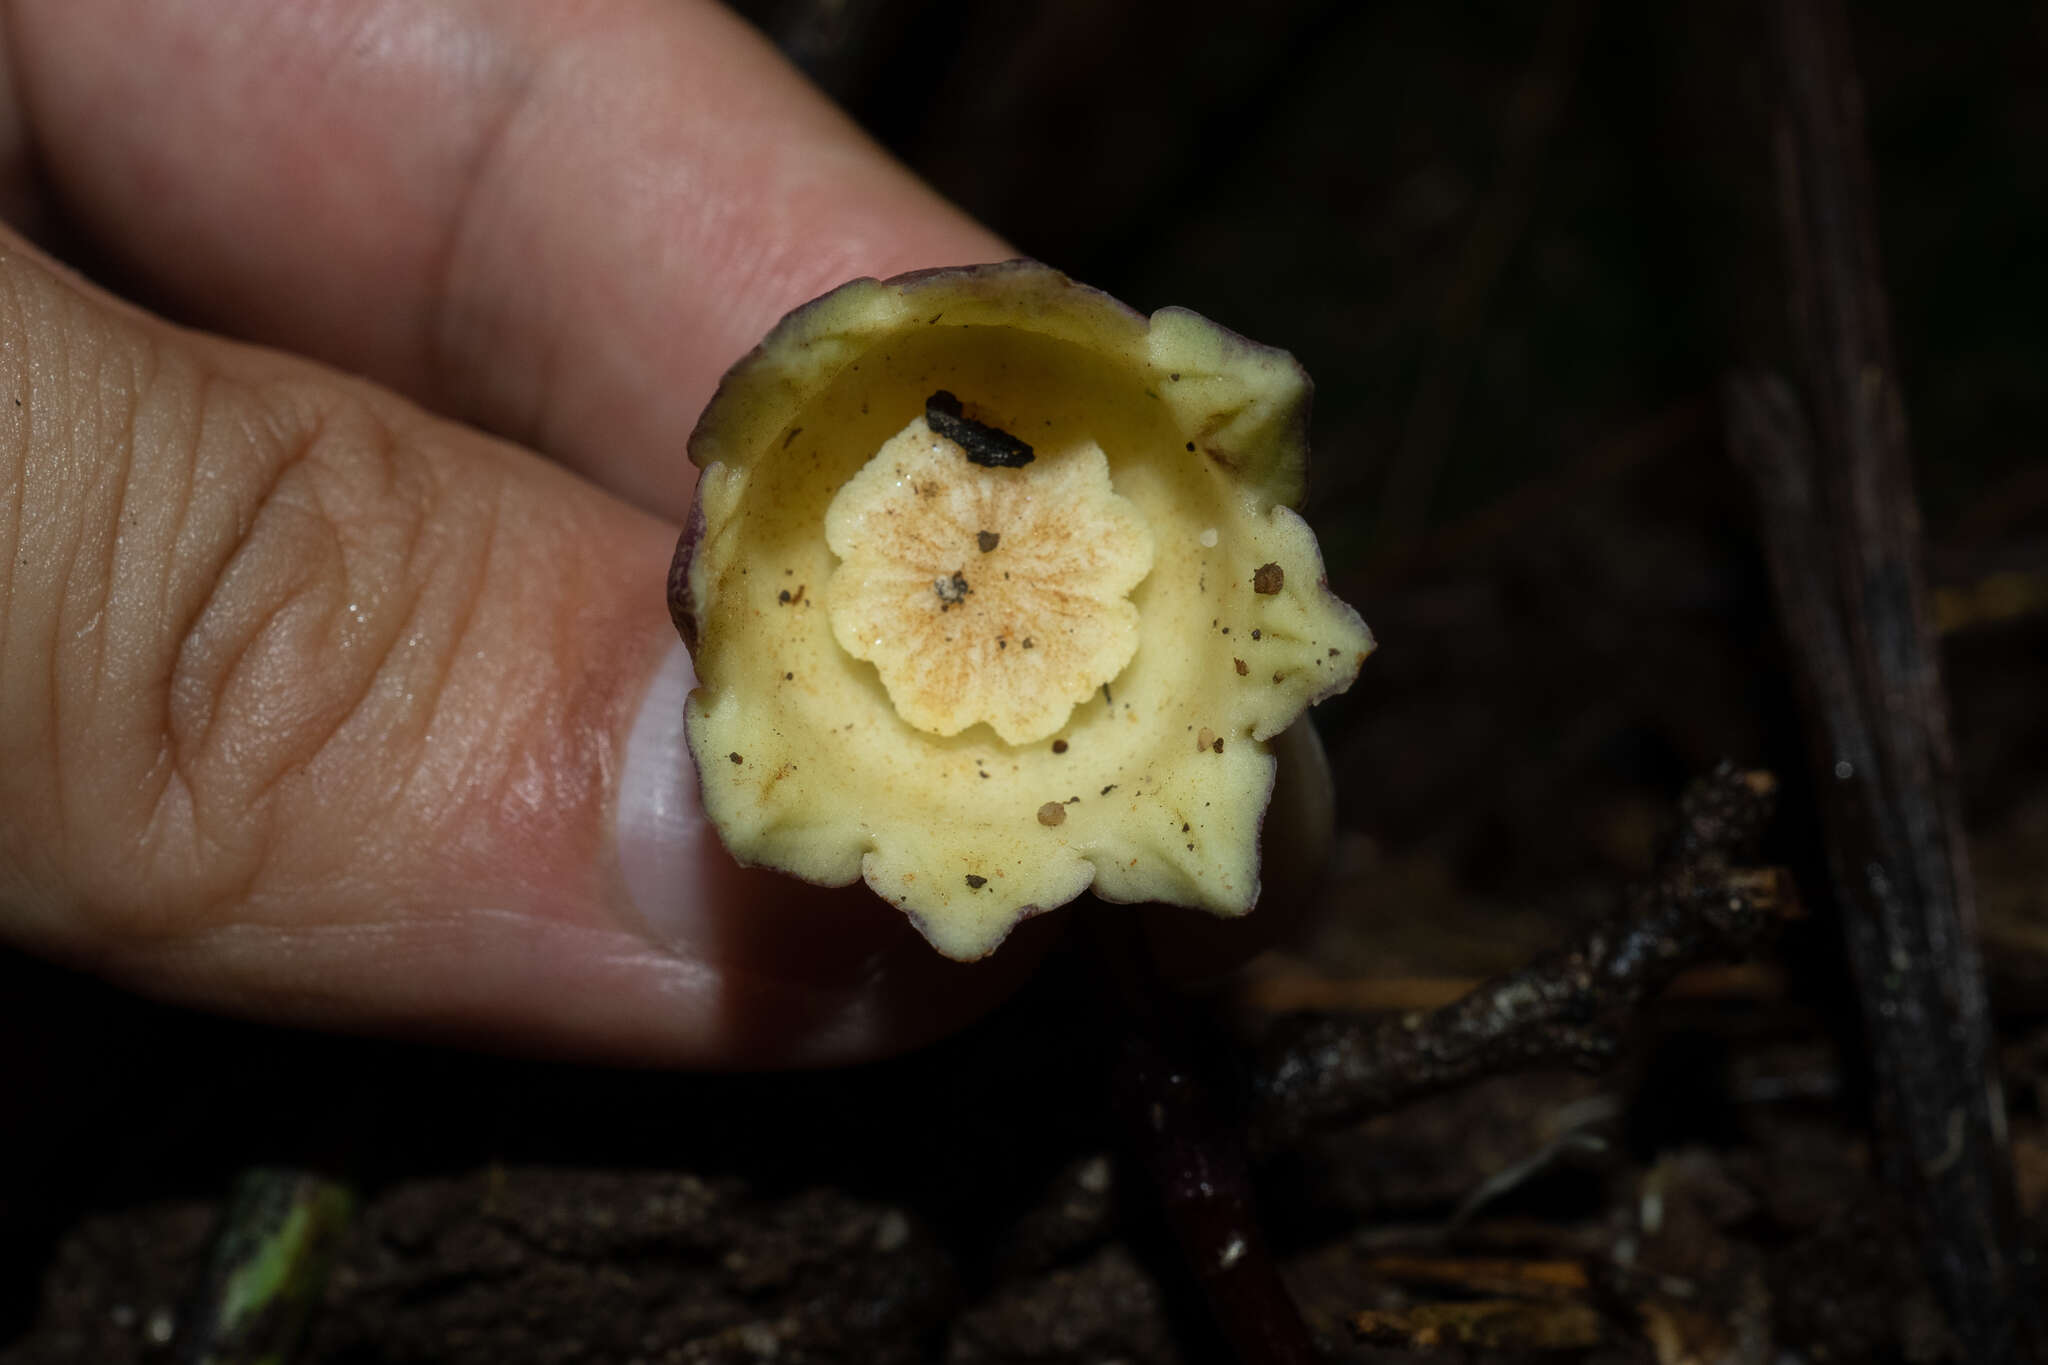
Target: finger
320, 709
559, 222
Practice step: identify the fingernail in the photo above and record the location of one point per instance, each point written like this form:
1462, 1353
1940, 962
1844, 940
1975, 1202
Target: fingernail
660, 827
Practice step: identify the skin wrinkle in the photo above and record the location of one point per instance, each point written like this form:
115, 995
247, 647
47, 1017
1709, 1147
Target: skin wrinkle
194, 794
295, 761
465, 620
184, 598
420, 499
213, 567
191, 642
182, 499
412, 792
584, 715
18, 335
340, 456
97, 463
539, 752
124, 476
83, 470
244, 815
13, 342
53, 682
482, 763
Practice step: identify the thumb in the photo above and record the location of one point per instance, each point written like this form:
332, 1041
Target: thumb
316, 708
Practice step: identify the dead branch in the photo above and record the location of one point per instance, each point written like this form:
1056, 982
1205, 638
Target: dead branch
1567, 1006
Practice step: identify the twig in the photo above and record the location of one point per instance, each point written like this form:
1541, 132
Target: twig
1841, 530
1566, 1006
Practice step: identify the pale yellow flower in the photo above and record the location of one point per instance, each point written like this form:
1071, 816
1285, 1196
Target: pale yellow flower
995, 593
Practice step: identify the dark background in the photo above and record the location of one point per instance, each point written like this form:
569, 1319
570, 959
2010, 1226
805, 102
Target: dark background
1519, 246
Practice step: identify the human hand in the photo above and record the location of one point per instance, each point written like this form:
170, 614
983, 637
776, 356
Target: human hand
324, 701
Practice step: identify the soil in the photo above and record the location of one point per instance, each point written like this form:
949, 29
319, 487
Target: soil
1493, 236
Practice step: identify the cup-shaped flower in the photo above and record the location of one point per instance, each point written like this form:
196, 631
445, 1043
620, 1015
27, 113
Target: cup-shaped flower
995, 593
